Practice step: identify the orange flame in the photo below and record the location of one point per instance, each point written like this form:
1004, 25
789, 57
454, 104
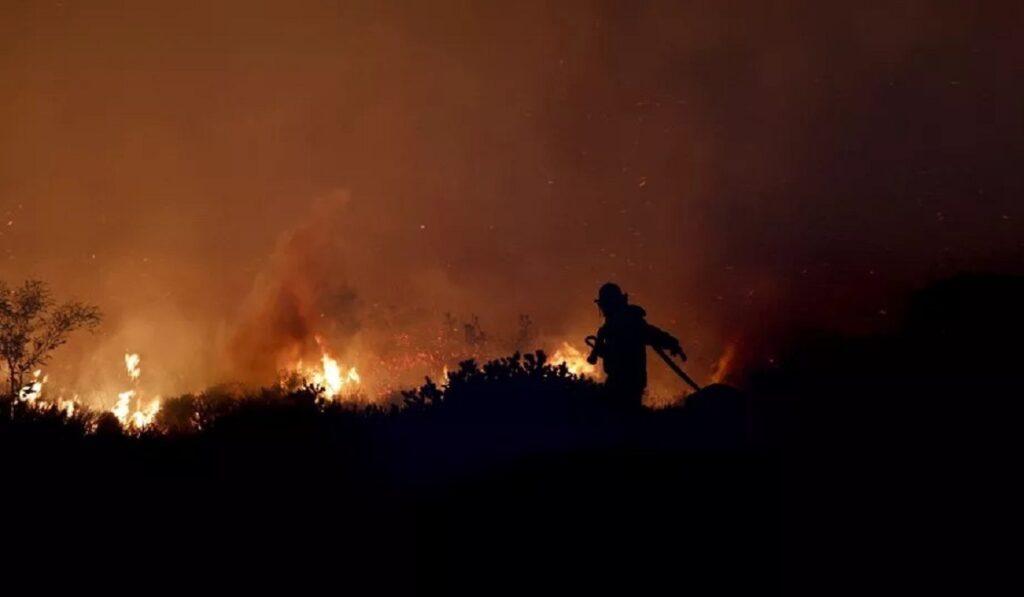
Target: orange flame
330, 376
574, 360
131, 363
34, 390
141, 416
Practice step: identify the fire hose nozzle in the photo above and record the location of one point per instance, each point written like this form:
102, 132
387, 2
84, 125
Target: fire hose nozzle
591, 341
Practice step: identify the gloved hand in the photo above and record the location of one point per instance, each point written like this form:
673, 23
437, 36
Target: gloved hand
677, 351
591, 341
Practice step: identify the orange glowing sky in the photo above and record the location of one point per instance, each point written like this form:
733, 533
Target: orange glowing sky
727, 165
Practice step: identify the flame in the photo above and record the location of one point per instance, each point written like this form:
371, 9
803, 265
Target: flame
144, 417
141, 416
330, 376
122, 410
131, 363
136, 410
34, 390
69, 406
32, 394
574, 360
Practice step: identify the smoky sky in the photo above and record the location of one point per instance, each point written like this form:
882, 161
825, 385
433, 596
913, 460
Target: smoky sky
727, 163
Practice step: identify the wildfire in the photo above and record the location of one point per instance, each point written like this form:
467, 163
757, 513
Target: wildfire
574, 360
34, 390
32, 394
136, 410
141, 416
131, 363
330, 376
122, 410
69, 406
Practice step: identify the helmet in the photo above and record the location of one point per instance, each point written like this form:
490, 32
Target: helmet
610, 295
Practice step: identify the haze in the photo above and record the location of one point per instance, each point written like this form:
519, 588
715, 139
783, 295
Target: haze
730, 166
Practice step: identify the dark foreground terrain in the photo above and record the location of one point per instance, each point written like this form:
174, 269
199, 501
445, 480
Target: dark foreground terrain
847, 461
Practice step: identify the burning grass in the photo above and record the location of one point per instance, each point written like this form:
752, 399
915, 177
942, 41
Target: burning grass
479, 416
324, 387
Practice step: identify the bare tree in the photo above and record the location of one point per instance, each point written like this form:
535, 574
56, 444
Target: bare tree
33, 325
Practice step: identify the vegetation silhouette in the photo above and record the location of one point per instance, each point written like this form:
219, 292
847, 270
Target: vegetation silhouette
33, 325
514, 474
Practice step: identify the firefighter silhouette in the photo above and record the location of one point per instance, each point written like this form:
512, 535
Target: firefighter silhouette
622, 343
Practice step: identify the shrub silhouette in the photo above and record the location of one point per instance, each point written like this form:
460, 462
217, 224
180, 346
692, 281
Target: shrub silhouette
33, 325
515, 459
516, 384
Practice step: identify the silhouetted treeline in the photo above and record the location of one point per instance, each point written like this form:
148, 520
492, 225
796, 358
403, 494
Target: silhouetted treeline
483, 415
508, 461
843, 460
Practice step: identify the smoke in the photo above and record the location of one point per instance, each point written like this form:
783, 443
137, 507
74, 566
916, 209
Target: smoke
737, 168
300, 296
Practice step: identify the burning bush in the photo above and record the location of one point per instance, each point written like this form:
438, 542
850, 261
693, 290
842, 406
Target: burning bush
32, 326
